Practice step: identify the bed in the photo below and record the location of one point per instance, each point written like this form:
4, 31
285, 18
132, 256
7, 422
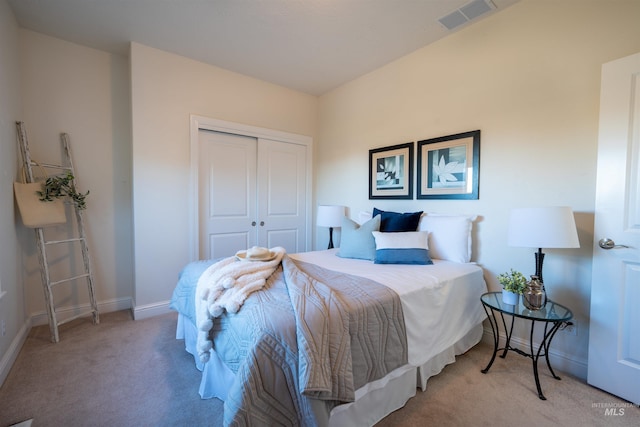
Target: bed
437, 304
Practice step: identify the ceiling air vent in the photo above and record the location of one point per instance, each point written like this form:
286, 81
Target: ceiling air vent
466, 13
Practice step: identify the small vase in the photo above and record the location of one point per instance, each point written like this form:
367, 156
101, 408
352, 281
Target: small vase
534, 296
509, 297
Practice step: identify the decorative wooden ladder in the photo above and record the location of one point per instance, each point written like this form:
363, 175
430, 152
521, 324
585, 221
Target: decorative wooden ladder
42, 244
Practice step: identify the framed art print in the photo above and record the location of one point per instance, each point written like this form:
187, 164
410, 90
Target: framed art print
449, 166
391, 172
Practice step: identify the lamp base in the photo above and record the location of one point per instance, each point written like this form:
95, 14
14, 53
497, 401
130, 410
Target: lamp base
330, 238
539, 261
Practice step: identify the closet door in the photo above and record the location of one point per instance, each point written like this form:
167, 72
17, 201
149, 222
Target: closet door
282, 198
226, 193
250, 192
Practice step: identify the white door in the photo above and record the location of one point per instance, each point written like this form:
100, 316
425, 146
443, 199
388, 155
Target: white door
251, 191
227, 193
614, 328
282, 197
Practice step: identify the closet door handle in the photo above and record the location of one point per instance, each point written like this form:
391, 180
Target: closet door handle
261, 223
253, 223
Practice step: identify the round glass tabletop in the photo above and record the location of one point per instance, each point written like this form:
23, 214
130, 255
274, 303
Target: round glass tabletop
552, 312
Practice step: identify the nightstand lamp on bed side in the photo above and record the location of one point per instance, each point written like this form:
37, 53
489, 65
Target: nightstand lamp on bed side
543, 227
330, 216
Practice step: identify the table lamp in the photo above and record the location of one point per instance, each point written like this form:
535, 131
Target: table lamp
330, 216
543, 227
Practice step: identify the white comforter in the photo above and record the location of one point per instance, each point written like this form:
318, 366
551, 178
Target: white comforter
423, 302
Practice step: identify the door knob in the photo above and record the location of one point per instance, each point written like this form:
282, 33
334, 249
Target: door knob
607, 243
253, 223
261, 223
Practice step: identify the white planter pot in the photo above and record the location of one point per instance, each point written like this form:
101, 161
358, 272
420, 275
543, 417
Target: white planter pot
510, 298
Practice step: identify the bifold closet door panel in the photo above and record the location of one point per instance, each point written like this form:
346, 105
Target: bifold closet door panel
282, 198
226, 193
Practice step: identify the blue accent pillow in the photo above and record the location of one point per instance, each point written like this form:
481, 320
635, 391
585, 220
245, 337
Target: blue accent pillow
402, 248
398, 222
356, 241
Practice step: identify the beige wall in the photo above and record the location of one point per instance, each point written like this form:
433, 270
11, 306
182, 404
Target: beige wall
529, 79
85, 93
166, 90
12, 310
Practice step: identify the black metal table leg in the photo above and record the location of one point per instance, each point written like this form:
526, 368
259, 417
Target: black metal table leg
534, 357
496, 337
547, 341
507, 345
545, 344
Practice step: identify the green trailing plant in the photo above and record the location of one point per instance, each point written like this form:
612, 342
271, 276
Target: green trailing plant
62, 186
513, 281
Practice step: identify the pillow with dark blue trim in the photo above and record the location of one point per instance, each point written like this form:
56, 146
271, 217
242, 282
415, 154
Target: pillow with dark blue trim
356, 241
397, 222
410, 247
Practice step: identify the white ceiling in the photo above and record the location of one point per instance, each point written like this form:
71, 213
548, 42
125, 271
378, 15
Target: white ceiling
311, 46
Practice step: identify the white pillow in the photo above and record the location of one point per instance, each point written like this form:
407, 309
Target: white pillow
449, 236
364, 216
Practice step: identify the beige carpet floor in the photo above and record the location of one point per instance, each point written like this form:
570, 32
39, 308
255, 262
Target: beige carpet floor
135, 373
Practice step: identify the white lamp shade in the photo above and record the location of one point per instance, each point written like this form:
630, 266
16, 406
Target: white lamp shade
543, 227
330, 216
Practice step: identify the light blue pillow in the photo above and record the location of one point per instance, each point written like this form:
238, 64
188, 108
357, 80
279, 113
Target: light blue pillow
409, 247
356, 241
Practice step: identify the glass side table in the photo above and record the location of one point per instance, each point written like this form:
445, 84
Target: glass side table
553, 315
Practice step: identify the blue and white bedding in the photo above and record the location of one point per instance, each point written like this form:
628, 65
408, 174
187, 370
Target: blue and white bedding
184, 294
442, 317
309, 334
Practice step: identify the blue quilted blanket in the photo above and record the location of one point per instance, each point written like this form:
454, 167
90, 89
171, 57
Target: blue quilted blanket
309, 334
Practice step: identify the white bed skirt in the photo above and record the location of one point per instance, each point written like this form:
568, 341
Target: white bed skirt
374, 400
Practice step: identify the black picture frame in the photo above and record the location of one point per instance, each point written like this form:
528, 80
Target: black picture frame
391, 172
449, 167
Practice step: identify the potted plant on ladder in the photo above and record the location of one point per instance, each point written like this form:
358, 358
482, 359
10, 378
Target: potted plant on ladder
63, 186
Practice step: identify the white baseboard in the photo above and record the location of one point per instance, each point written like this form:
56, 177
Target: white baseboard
560, 361
139, 312
150, 310
10, 356
41, 318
